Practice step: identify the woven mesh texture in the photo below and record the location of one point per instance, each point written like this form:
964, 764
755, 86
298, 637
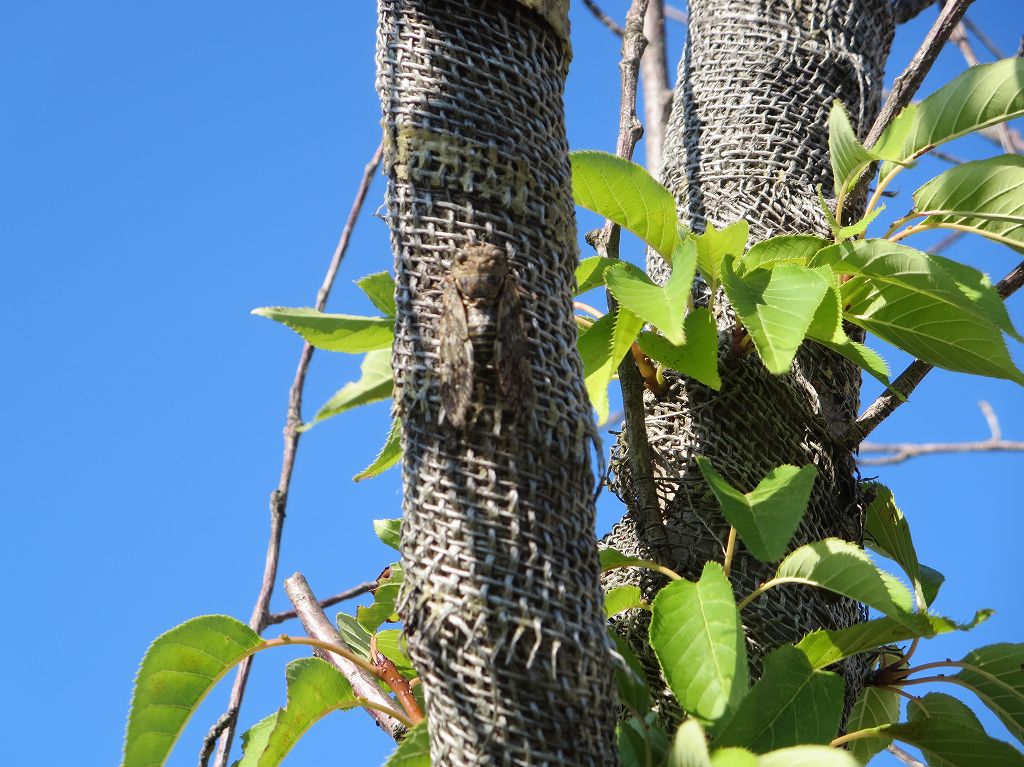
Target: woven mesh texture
748, 139
503, 606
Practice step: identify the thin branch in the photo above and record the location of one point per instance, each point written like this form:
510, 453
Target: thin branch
938, 154
319, 626
279, 497
901, 389
946, 242
676, 14
903, 756
1002, 130
983, 38
352, 593
211, 737
655, 82
603, 17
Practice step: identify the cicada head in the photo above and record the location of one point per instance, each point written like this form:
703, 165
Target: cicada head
479, 271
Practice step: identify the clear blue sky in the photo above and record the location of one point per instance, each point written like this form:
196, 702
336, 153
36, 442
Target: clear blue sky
168, 167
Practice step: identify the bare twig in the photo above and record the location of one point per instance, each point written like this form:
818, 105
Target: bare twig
983, 38
902, 451
319, 626
603, 17
657, 94
903, 756
938, 154
909, 379
211, 737
352, 593
946, 242
279, 497
676, 14
1002, 130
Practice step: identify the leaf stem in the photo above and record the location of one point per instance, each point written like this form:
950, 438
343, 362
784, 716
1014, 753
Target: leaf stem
730, 548
770, 584
284, 640
647, 564
385, 710
870, 732
938, 664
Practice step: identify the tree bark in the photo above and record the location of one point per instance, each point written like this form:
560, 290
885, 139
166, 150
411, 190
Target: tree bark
748, 139
503, 608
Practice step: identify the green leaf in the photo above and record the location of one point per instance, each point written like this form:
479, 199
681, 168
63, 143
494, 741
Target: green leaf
388, 456
630, 677
714, 245
389, 531
627, 194
931, 582
689, 748
939, 705
827, 329
984, 95
391, 643
254, 741
776, 308
827, 646
315, 689
887, 532
986, 196
996, 675
697, 358
590, 273
385, 597
623, 598
844, 568
874, 707
663, 307
602, 347
860, 226
791, 704
979, 290
767, 516
642, 742
733, 757
334, 332
907, 298
178, 670
414, 750
955, 744
355, 636
807, 756
376, 383
380, 289
787, 249
848, 156
696, 633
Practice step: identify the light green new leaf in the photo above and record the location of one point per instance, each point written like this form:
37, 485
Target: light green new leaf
355, 636
733, 757
848, 156
714, 245
376, 383
414, 750
178, 670
625, 193
985, 196
827, 329
955, 744
590, 273
844, 568
602, 347
776, 307
859, 227
696, 633
623, 598
254, 741
642, 743
790, 705
689, 747
388, 456
827, 646
385, 597
391, 643
334, 332
984, 95
767, 516
315, 689
786, 249
996, 675
380, 289
663, 307
807, 756
874, 707
907, 298
697, 358
887, 532
389, 531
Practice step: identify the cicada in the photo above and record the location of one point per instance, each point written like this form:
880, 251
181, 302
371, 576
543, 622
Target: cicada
482, 334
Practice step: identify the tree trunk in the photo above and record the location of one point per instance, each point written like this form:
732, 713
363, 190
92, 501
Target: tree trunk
748, 139
503, 609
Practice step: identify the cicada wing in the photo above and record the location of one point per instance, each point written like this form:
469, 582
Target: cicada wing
456, 353
512, 350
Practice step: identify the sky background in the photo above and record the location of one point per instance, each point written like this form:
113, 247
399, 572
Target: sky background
166, 168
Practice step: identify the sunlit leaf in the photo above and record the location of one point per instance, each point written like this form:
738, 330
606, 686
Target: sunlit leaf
714, 245
662, 306
875, 706
388, 456
590, 273
848, 156
697, 358
785, 249
375, 383
827, 329
334, 332
956, 745
602, 347
622, 598
385, 597
389, 531
806, 756
887, 532
996, 675
414, 750
380, 289
689, 747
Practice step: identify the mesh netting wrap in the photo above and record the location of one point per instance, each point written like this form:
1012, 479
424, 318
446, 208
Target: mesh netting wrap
502, 606
748, 139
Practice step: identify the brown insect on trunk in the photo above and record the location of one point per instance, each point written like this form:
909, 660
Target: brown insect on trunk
483, 334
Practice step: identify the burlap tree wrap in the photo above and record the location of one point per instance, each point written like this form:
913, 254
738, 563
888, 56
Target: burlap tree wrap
748, 139
502, 606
